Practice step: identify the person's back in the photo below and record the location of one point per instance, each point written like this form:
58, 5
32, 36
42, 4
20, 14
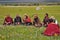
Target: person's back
8, 20
27, 20
52, 29
36, 21
17, 20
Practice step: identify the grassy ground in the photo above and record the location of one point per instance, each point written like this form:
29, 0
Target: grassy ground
26, 32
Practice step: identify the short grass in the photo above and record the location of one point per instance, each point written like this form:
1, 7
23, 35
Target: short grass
22, 32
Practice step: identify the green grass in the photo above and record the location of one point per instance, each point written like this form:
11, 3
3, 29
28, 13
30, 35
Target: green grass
24, 33
21, 32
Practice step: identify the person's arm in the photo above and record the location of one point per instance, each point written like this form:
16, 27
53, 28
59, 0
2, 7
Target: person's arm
4, 21
38, 20
20, 20
12, 20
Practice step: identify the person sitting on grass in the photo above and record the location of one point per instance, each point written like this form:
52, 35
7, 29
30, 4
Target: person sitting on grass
36, 21
8, 20
46, 20
17, 20
54, 20
27, 20
52, 29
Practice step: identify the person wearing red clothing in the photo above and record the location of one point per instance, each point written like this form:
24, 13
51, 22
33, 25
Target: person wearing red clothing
51, 29
27, 20
8, 20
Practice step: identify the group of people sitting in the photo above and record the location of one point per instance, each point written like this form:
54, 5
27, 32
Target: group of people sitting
51, 24
17, 20
25, 21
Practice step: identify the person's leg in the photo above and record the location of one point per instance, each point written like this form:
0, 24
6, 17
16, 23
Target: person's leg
5, 23
9, 24
30, 23
45, 24
40, 24
36, 25
33, 23
17, 23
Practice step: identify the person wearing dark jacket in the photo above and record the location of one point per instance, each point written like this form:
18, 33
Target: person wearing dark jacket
17, 20
36, 21
46, 20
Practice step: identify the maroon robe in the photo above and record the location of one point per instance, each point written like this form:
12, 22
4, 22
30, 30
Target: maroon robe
59, 31
52, 29
8, 20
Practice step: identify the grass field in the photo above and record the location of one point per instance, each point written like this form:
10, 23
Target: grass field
21, 32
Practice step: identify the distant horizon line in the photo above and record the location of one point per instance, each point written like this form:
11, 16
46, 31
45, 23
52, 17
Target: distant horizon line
29, 1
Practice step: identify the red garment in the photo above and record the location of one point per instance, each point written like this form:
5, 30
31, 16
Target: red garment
51, 29
8, 19
59, 30
28, 20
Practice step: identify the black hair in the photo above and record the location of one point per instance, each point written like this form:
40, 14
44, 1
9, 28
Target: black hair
26, 17
50, 20
47, 14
